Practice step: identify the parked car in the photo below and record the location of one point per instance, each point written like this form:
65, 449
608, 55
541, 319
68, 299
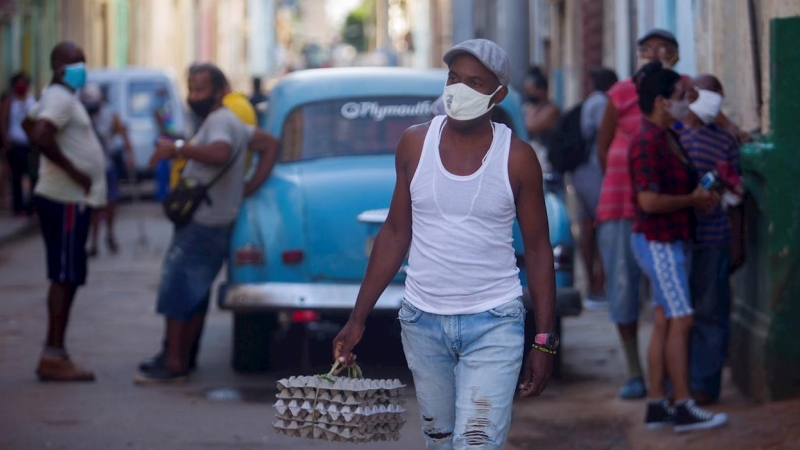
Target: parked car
301, 243
135, 94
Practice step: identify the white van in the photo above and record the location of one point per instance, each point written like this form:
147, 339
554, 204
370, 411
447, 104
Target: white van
135, 94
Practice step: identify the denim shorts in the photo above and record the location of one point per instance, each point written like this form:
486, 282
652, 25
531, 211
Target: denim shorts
191, 264
621, 271
667, 265
465, 369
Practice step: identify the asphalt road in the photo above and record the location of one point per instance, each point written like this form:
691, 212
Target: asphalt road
114, 326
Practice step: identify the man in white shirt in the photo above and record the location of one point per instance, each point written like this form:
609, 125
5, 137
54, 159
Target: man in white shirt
461, 181
71, 183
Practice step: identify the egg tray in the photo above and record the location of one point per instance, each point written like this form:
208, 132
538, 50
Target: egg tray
334, 433
333, 413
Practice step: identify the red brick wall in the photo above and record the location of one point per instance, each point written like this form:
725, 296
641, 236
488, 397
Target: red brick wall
592, 29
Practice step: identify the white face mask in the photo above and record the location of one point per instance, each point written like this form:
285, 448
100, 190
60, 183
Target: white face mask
707, 106
679, 109
464, 103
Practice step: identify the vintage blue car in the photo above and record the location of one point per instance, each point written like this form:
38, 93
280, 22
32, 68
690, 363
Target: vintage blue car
301, 243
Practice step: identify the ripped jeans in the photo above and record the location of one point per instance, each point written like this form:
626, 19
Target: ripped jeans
465, 369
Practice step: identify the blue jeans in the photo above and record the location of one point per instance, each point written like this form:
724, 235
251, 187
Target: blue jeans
711, 294
465, 369
621, 270
193, 260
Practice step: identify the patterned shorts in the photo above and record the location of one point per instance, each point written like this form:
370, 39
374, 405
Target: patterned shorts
667, 265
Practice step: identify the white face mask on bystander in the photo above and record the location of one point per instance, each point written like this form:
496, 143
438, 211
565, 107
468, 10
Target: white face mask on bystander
707, 106
464, 103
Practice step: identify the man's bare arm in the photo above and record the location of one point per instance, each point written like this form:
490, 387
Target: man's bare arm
214, 154
42, 134
543, 120
526, 180
605, 135
267, 148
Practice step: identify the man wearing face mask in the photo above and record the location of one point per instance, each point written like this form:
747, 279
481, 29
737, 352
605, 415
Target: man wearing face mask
71, 184
198, 249
461, 182
716, 250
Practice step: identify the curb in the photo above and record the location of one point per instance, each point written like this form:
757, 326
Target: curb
17, 232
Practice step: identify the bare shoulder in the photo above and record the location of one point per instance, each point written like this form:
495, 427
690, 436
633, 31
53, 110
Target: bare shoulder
521, 153
412, 140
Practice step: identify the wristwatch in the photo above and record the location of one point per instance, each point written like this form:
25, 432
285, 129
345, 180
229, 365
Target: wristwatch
178, 146
547, 340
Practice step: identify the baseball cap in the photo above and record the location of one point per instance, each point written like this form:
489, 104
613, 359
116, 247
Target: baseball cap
659, 33
491, 55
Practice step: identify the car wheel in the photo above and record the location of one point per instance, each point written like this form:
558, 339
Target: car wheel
252, 333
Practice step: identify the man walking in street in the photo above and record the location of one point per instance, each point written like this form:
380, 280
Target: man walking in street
199, 248
71, 183
717, 250
461, 182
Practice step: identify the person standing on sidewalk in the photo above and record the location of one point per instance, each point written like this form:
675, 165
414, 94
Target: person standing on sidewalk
461, 182
615, 209
587, 179
108, 127
199, 249
17, 148
71, 183
666, 189
541, 120
716, 251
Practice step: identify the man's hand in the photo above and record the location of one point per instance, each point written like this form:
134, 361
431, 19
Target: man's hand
703, 199
82, 179
345, 341
165, 149
535, 373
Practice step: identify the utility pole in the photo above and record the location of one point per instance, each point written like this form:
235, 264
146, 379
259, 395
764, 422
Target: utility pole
513, 34
463, 20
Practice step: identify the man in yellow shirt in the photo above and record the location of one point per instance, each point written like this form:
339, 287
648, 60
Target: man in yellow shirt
243, 109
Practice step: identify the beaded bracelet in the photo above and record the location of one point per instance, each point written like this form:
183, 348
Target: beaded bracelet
543, 349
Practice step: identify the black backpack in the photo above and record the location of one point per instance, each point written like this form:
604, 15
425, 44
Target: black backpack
568, 149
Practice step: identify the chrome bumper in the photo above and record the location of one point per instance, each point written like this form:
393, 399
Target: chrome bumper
318, 296
342, 297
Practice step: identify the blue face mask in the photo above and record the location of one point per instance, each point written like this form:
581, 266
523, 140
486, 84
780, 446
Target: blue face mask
75, 75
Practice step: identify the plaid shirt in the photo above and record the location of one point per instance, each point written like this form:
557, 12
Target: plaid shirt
656, 168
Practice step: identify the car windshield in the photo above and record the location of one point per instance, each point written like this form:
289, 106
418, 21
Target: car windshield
348, 127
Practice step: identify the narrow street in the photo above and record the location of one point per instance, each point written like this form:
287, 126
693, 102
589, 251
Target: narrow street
114, 326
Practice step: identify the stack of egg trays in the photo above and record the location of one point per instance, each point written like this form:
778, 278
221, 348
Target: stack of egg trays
339, 409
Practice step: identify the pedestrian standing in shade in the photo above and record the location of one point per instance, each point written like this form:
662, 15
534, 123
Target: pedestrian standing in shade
72, 182
16, 145
717, 250
666, 192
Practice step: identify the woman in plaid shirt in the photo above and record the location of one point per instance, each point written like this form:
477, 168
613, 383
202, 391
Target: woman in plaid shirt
666, 192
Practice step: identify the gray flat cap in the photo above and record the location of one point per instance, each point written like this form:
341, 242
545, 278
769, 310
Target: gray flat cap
491, 55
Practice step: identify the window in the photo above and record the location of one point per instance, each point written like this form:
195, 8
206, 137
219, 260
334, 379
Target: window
147, 97
349, 127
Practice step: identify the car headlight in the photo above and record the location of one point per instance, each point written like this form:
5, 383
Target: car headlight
563, 258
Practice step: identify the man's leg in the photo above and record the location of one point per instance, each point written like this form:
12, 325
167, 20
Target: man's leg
490, 358
65, 228
432, 362
709, 337
622, 290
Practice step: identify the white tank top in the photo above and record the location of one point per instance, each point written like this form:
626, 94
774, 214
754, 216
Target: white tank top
461, 259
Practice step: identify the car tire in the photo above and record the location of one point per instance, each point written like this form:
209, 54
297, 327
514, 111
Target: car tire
252, 333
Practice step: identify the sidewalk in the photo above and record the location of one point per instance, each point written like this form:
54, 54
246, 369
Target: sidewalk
582, 411
14, 227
